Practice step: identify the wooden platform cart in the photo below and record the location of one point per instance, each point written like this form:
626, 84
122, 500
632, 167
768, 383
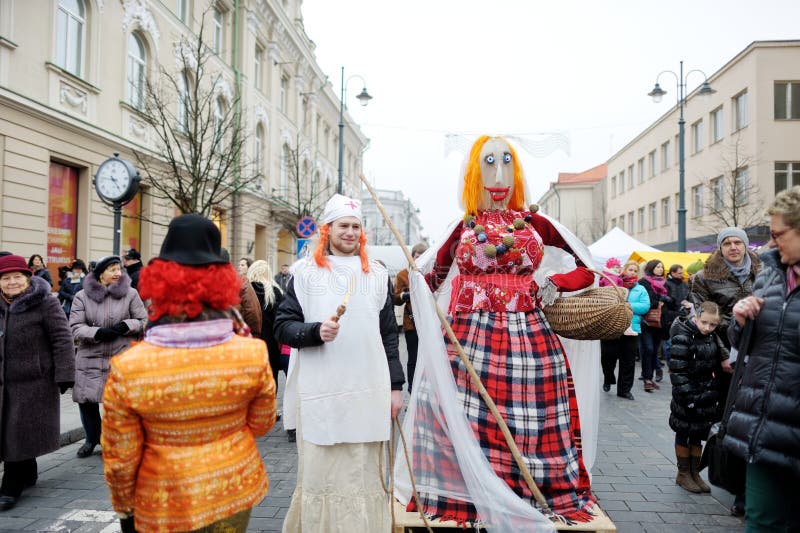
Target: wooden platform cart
405, 520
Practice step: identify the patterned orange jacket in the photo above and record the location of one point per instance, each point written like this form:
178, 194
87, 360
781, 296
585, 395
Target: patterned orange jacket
180, 424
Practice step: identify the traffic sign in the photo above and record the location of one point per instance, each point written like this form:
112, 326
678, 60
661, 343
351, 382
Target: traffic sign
306, 227
302, 247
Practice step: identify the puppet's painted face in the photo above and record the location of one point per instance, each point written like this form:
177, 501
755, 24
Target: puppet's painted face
497, 173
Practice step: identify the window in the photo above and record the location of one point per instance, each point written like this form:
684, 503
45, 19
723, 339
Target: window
716, 124
665, 156
217, 29
71, 23
697, 136
630, 177
641, 219
284, 93
183, 10
284, 185
621, 181
613, 186
136, 71
259, 150
621, 222
613, 222
653, 215
666, 212
631, 228
697, 201
258, 61
640, 170
740, 119
651, 159
219, 118
787, 100
742, 182
786, 175
184, 103
718, 190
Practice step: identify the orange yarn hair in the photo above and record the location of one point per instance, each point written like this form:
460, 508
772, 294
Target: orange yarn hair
321, 251
473, 182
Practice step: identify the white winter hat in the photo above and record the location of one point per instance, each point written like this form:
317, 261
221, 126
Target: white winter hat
341, 206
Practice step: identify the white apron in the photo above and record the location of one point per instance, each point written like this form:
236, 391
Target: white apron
343, 387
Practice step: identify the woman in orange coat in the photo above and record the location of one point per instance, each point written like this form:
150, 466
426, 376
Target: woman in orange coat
183, 408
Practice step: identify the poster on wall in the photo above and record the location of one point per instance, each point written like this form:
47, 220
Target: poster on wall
62, 218
132, 225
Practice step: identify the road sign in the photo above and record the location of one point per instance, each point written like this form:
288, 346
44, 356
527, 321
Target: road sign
306, 227
302, 247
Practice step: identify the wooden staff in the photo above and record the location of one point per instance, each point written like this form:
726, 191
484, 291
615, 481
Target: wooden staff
476, 380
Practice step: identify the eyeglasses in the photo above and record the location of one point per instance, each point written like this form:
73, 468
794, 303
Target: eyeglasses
775, 235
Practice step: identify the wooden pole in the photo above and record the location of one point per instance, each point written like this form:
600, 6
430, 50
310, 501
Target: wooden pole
476, 380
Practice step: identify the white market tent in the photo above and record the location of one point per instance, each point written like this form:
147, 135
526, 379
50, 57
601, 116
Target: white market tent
616, 243
392, 256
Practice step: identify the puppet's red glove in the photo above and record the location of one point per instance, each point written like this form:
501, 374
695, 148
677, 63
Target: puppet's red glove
578, 279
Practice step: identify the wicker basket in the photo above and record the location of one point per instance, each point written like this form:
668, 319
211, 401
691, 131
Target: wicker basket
600, 313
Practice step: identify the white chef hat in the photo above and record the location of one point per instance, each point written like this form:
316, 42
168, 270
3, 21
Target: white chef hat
341, 206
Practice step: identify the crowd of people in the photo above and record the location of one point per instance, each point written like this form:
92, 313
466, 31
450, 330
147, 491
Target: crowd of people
186, 351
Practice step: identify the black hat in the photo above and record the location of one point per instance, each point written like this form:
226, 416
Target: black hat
133, 254
192, 240
78, 263
103, 263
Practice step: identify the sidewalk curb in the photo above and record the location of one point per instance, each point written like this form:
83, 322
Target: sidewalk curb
70, 436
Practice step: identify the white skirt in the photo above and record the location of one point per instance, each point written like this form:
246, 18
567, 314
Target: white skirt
338, 489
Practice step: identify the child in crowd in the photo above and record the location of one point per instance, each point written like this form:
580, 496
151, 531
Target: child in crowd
614, 271
696, 352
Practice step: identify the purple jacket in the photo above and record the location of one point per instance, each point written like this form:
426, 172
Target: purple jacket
99, 306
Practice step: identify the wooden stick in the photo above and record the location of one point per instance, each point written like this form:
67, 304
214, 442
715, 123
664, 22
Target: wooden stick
476, 380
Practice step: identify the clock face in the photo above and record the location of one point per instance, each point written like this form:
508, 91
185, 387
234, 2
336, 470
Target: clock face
113, 179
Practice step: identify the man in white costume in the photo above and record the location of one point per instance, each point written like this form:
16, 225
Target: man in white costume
347, 377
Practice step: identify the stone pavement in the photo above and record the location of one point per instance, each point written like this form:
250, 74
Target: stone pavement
633, 478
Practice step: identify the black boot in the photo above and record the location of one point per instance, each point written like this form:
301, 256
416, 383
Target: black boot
86, 450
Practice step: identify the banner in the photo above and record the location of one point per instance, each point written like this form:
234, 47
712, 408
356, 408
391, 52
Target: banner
131, 225
62, 218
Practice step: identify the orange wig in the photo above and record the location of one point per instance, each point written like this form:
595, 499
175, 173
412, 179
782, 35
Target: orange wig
183, 290
473, 181
321, 251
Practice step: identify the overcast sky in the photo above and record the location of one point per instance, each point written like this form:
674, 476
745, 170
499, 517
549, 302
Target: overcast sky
519, 66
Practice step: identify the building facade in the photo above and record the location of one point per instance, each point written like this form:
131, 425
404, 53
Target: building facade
402, 213
72, 78
742, 146
577, 200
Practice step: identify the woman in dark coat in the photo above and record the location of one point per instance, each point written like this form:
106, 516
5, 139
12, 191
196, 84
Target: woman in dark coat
106, 316
650, 337
72, 284
696, 352
269, 297
38, 359
37, 266
764, 425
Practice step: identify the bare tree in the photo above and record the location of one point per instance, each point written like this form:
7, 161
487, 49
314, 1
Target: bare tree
198, 160
733, 197
305, 193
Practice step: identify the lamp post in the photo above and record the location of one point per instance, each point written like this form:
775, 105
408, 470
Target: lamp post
363, 97
657, 94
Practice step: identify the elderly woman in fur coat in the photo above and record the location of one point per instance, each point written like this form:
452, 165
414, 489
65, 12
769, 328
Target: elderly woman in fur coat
37, 360
105, 317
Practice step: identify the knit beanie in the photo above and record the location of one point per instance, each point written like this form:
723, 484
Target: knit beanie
695, 267
732, 232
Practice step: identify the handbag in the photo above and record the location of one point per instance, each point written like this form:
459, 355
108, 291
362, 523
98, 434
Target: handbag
725, 469
653, 317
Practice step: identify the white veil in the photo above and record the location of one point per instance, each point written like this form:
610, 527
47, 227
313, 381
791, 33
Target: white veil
434, 396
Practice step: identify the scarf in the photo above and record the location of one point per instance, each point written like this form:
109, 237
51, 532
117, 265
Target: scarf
792, 274
657, 283
629, 281
741, 272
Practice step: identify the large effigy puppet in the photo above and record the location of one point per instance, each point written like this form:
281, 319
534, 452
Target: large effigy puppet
494, 271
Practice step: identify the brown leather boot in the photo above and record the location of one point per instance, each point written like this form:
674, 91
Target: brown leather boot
696, 452
684, 478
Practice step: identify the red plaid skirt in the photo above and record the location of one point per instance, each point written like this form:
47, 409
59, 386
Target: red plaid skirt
522, 365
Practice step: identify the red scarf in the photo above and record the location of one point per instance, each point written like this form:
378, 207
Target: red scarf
629, 281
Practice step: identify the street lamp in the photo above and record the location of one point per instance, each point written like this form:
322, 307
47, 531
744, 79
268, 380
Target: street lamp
363, 97
657, 94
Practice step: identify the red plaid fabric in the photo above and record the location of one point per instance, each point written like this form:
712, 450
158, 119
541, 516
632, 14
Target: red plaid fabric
522, 365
